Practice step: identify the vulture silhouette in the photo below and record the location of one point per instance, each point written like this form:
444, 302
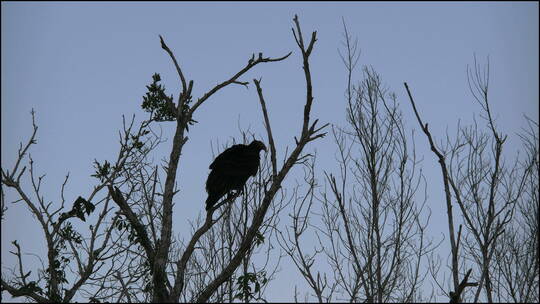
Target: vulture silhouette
231, 169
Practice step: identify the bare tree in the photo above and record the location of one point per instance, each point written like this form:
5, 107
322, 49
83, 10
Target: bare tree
517, 272
74, 258
485, 188
372, 234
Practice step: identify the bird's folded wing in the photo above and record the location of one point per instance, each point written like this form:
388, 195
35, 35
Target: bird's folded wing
231, 155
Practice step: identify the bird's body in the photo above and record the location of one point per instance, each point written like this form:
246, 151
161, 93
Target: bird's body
231, 169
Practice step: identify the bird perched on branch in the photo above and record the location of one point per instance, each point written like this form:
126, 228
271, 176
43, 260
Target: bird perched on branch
231, 169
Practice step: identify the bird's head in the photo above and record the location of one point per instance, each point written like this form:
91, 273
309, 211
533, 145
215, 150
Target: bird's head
259, 145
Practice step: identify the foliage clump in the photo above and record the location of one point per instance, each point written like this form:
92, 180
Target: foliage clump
157, 102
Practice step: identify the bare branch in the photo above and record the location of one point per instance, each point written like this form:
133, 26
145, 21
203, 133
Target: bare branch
181, 264
143, 239
251, 63
445, 176
17, 292
268, 128
178, 69
455, 297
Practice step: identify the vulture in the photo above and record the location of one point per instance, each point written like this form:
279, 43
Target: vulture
231, 169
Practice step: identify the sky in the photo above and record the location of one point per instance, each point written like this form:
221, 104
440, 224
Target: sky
81, 66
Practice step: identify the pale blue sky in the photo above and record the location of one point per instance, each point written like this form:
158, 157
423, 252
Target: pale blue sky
82, 65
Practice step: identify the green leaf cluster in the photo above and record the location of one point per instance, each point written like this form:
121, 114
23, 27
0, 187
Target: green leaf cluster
157, 102
31, 287
102, 171
122, 224
80, 207
249, 284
